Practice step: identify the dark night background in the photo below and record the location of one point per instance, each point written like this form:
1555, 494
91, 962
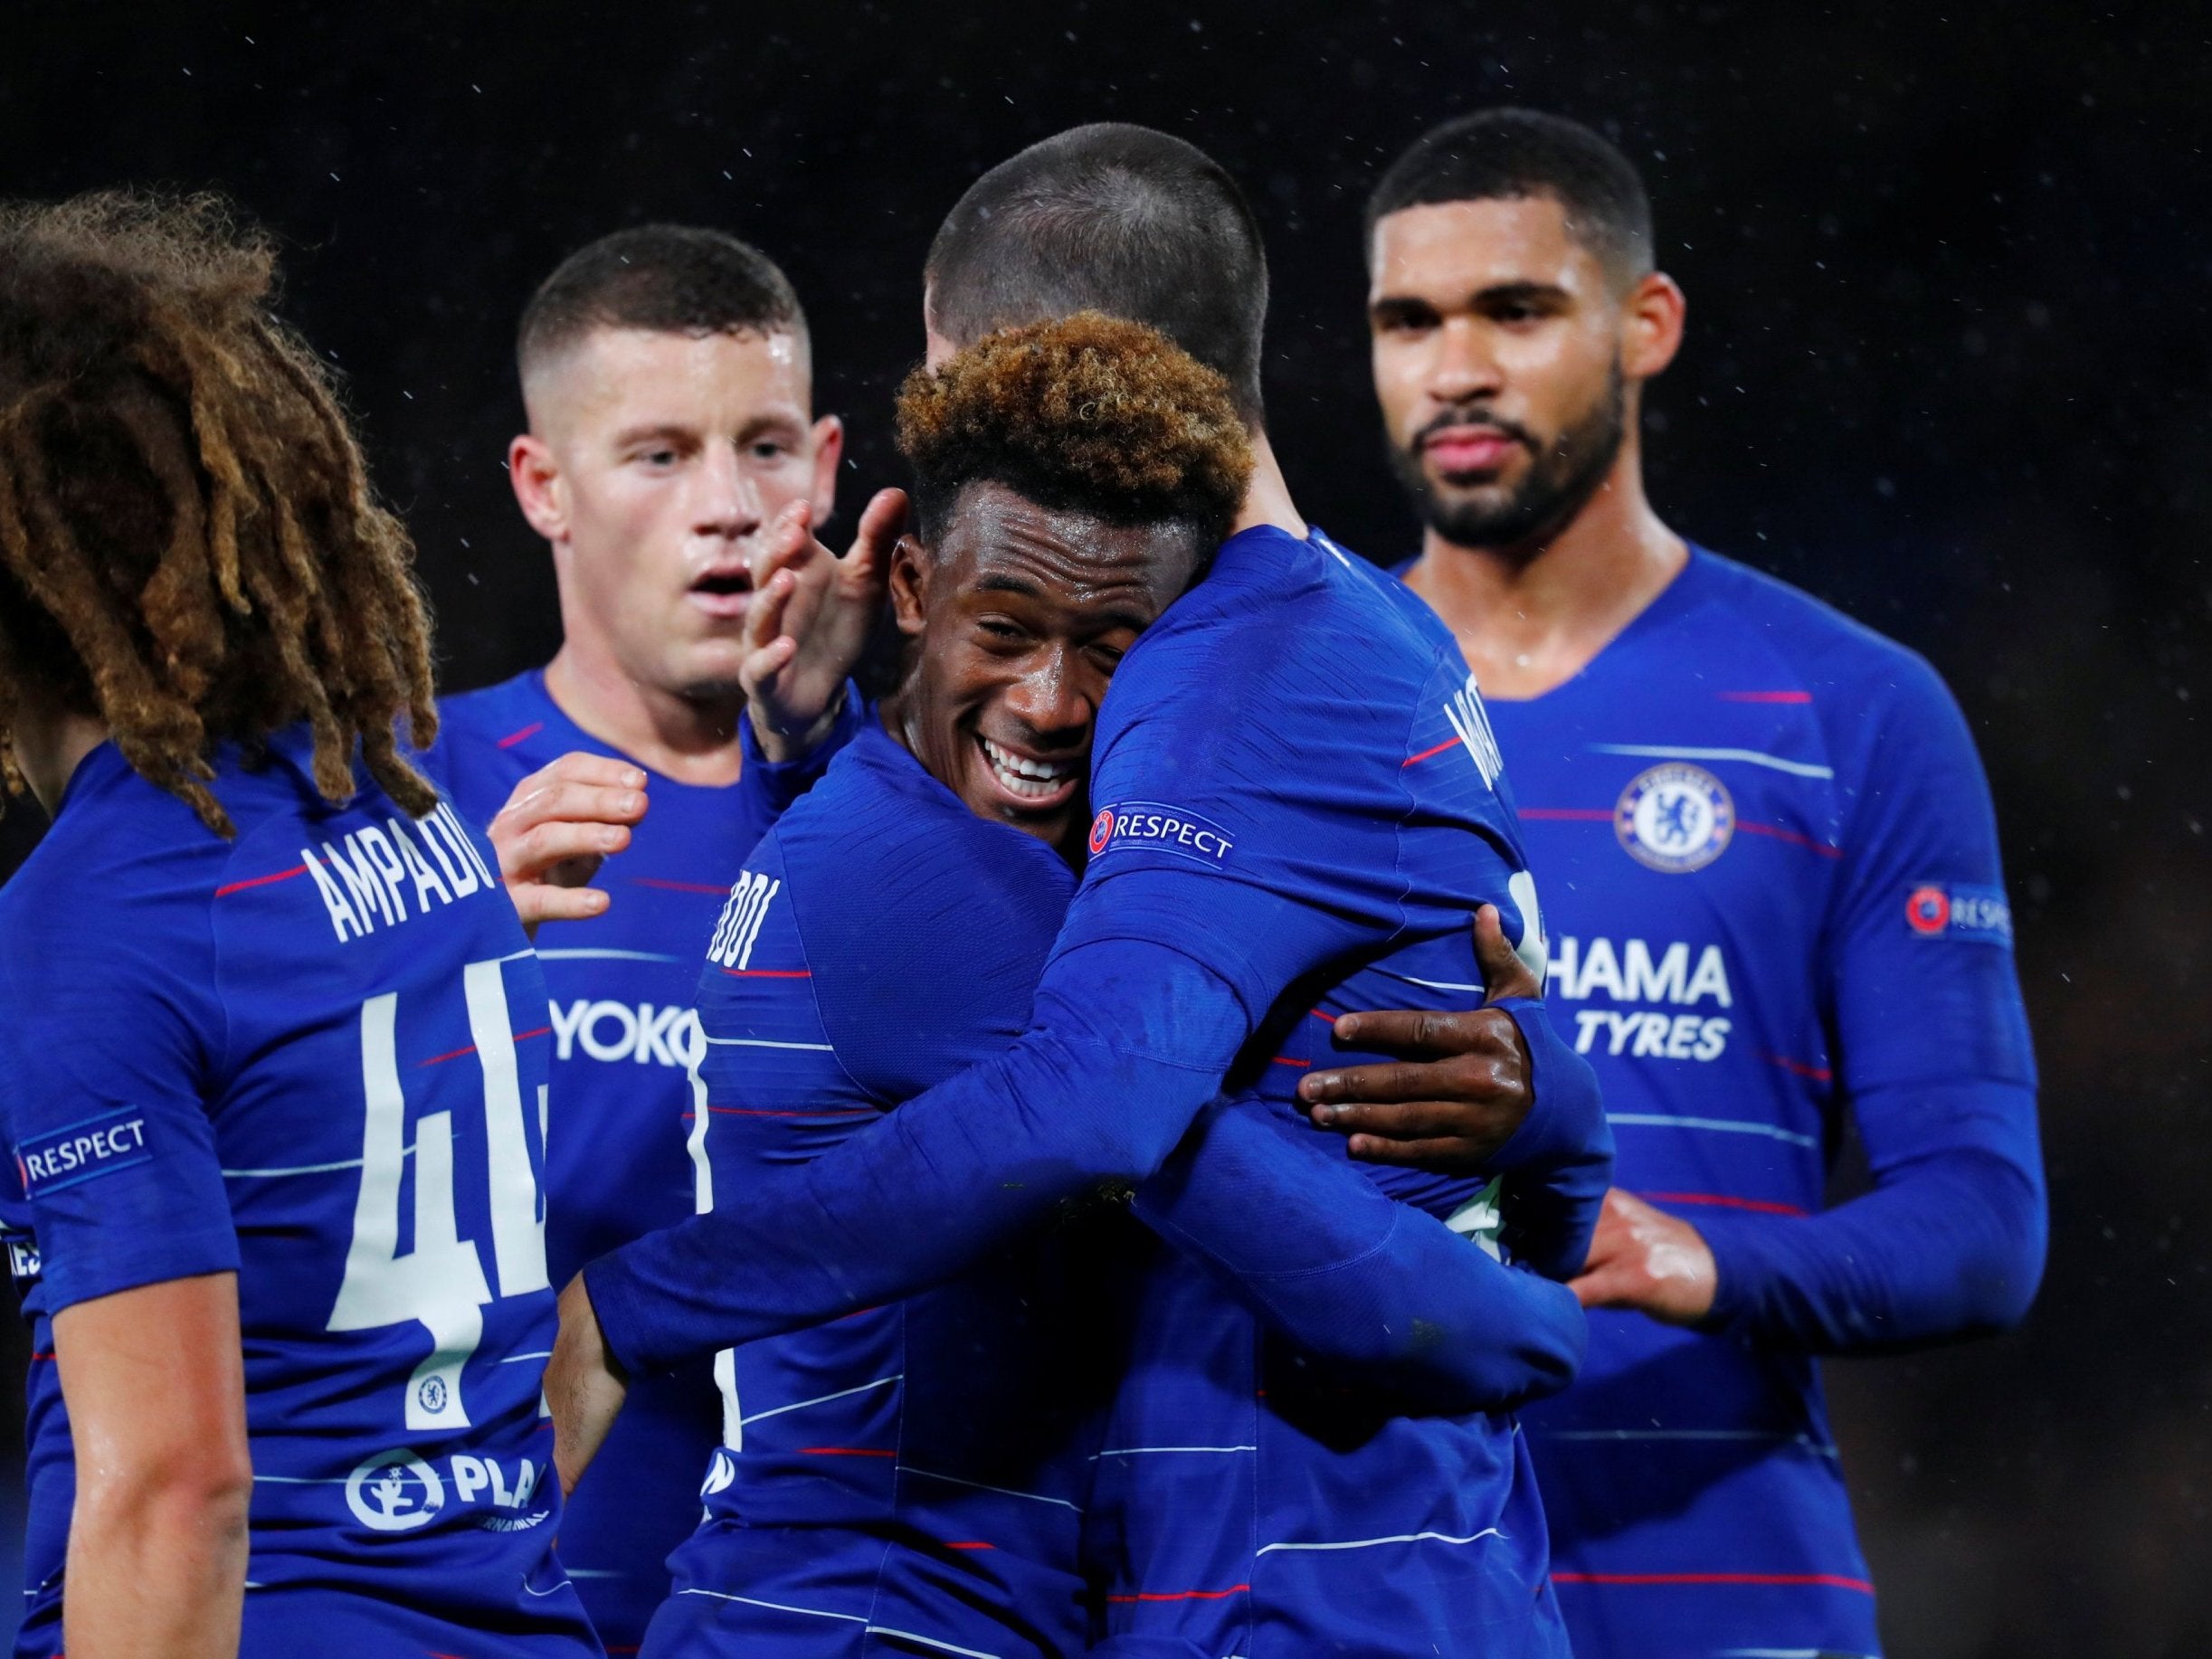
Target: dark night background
1947, 367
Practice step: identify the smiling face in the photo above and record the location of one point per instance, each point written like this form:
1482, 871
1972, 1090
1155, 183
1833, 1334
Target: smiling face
1498, 350
1019, 615
655, 464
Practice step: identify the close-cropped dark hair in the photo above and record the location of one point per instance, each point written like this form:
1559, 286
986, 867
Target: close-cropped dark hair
1507, 153
668, 279
1087, 413
1111, 218
189, 550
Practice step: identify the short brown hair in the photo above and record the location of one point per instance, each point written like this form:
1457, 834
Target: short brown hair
668, 279
1089, 413
189, 551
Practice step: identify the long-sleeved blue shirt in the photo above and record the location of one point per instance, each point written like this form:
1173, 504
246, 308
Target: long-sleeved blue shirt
923, 1467
1300, 804
1771, 871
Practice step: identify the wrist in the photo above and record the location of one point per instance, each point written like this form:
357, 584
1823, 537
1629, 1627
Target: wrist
778, 747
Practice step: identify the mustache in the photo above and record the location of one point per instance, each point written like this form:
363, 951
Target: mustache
1453, 419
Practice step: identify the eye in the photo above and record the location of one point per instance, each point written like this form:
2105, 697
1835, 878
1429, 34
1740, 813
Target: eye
664, 456
769, 448
1108, 657
999, 628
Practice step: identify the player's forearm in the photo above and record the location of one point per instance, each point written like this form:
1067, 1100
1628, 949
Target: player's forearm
157, 1562
1128, 1046
1951, 1247
1355, 1279
1559, 1162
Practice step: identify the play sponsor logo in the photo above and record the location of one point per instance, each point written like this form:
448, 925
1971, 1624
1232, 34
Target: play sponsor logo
398, 1491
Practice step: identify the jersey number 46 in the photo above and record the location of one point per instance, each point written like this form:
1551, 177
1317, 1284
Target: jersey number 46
439, 1283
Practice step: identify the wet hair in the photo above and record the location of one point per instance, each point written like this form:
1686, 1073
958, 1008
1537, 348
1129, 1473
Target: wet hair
1110, 218
1514, 154
1086, 413
669, 278
189, 550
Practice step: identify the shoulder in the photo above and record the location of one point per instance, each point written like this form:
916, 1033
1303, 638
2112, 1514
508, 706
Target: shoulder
110, 913
879, 845
484, 740
1881, 707
1831, 648
1281, 630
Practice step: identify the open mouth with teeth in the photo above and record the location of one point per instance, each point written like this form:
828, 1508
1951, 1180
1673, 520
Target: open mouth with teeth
1029, 782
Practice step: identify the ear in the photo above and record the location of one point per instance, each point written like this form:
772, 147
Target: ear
829, 451
1654, 313
537, 480
910, 569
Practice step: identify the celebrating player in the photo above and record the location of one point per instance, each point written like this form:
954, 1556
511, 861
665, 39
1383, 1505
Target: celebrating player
673, 462
923, 1468
1770, 857
1299, 805
256, 983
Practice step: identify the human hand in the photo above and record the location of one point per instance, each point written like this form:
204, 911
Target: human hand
556, 828
809, 621
1461, 1087
1644, 1258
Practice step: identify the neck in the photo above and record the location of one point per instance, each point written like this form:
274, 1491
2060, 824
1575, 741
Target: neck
1267, 499
689, 740
50, 744
1530, 618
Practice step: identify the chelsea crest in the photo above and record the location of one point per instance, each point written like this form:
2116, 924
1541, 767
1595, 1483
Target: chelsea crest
1674, 817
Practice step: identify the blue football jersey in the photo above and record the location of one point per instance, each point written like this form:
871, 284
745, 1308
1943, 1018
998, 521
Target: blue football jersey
313, 1055
624, 1037
1771, 873
915, 1470
1300, 805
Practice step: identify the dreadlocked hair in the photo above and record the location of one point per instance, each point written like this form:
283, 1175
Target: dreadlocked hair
189, 549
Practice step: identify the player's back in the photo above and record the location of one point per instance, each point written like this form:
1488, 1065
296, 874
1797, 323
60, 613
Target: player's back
1319, 741
912, 1472
315, 1054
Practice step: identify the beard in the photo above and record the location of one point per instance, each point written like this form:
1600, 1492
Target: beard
1566, 473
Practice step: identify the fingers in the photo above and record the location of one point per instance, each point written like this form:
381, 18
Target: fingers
1427, 1033
1609, 1285
537, 902
1445, 1155
765, 617
763, 664
574, 767
1457, 1077
573, 802
790, 542
564, 854
1504, 973
1412, 1120
882, 522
